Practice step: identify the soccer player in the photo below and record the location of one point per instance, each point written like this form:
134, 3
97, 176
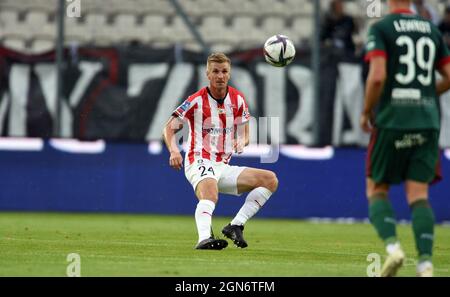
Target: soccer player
404, 51
218, 117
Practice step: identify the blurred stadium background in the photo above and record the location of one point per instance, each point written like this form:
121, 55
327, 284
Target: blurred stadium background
81, 127
31, 26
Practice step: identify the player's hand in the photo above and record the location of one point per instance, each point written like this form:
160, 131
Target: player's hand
176, 160
238, 146
366, 121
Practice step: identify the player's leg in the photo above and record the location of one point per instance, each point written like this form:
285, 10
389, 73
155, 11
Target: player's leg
207, 194
381, 214
384, 166
260, 183
422, 224
423, 169
382, 217
203, 179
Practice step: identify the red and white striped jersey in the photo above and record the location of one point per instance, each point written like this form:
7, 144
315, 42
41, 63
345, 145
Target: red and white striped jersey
212, 124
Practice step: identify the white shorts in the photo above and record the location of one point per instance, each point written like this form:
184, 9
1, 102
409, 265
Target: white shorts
225, 175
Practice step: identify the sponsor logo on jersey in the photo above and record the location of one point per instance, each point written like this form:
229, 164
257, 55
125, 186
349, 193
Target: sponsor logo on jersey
218, 131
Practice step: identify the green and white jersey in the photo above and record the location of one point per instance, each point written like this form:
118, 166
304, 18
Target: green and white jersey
414, 49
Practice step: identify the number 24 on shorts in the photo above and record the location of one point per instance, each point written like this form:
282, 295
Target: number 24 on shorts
204, 171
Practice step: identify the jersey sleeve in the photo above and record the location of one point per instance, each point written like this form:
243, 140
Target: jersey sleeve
375, 45
182, 111
243, 115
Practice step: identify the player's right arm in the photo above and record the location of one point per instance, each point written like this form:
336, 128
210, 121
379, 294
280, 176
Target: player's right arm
374, 88
173, 125
377, 57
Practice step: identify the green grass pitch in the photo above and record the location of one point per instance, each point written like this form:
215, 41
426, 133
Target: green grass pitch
37, 244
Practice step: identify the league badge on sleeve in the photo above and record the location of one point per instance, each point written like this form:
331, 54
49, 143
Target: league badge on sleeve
185, 105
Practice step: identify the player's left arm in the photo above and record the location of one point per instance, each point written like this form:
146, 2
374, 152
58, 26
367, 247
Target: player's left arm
443, 66
242, 133
242, 137
443, 85
247, 134
374, 88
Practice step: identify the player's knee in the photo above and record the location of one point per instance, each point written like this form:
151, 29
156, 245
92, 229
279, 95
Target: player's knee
271, 181
208, 193
207, 190
374, 189
369, 193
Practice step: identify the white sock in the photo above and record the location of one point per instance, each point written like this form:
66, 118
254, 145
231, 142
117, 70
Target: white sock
203, 218
254, 201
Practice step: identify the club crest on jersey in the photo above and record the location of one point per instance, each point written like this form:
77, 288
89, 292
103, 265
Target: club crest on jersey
245, 114
221, 110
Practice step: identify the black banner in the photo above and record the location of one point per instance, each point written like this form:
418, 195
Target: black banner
128, 93
223, 286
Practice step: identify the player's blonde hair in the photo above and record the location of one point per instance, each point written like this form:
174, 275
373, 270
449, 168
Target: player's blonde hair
217, 58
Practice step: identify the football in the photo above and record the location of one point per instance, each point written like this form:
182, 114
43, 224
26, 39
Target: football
279, 50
